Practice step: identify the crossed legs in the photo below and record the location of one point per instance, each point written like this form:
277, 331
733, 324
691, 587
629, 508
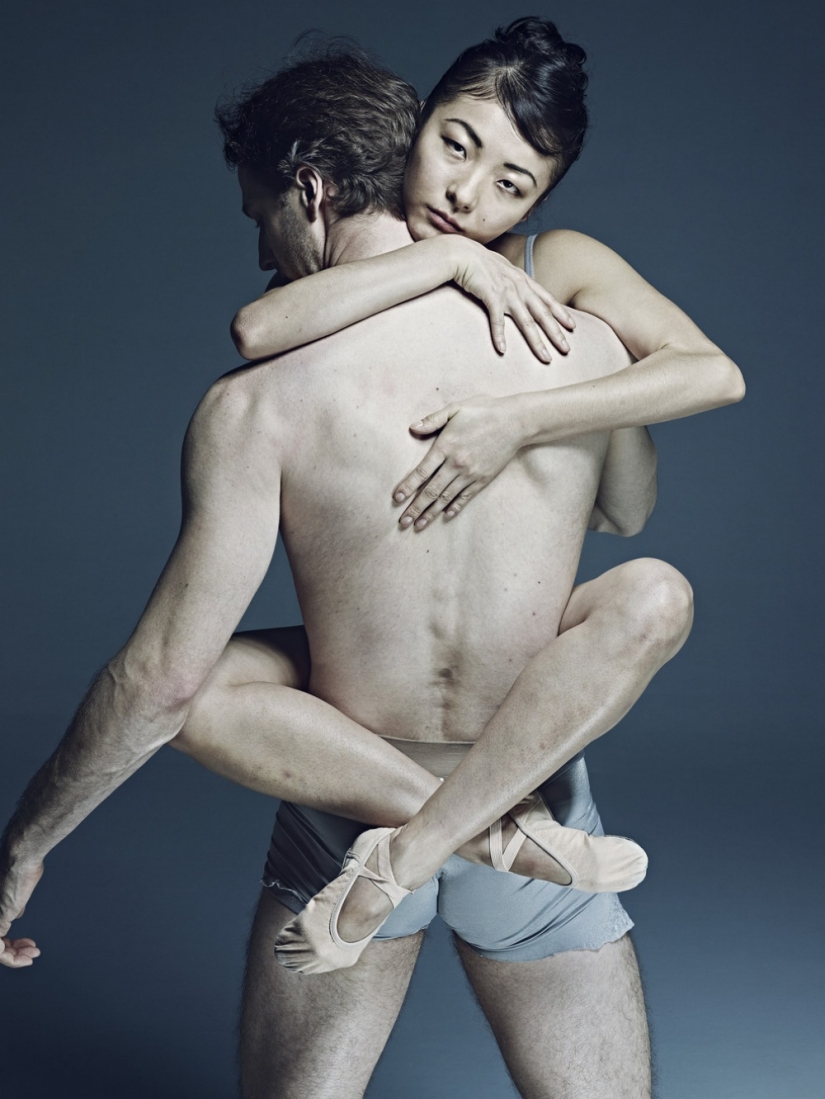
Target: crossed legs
252, 722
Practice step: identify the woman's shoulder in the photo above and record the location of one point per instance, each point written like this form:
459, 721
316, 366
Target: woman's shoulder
565, 261
568, 244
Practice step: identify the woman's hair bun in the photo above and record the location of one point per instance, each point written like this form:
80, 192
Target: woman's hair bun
538, 79
540, 36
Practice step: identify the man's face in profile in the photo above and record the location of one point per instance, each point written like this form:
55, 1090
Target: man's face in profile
285, 241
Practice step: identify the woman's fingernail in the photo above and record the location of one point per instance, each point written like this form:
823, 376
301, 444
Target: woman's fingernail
417, 424
406, 521
565, 344
449, 513
420, 524
400, 497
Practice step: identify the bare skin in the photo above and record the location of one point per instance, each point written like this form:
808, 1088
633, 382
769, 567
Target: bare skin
252, 450
569, 1027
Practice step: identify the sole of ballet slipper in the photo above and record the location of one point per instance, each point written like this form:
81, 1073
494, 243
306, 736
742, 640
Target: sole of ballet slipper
310, 943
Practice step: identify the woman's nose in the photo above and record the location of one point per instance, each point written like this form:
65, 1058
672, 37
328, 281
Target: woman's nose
463, 192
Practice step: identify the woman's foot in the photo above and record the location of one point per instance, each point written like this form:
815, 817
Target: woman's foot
331, 933
529, 841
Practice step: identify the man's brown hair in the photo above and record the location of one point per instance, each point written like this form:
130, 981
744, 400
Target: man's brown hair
337, 111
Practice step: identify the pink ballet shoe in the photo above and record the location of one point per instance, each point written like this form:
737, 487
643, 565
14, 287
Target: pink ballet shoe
596, 864
310, 943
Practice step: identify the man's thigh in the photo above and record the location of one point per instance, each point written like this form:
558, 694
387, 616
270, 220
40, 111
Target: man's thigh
319, 1036
571, 1026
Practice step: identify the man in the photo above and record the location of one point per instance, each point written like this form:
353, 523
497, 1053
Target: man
421, 638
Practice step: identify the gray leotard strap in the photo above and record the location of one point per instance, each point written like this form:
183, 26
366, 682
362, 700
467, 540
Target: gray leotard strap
528, 255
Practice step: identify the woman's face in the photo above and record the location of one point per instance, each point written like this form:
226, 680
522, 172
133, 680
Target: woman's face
471, 172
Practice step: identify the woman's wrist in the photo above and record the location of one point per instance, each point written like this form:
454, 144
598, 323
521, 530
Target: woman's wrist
529, 415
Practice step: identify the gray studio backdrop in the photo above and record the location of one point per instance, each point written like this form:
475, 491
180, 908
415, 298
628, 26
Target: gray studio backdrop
126, 256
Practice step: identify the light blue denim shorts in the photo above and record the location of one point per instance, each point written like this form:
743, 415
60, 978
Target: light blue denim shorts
501, 916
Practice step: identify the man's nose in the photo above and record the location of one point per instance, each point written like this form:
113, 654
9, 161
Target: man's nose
266, 260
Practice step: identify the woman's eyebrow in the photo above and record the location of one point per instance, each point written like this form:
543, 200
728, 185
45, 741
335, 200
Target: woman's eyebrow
523, 171
480, 145
470, 131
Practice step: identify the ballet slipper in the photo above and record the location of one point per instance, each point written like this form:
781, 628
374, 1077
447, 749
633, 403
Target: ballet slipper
310, 943
596, 864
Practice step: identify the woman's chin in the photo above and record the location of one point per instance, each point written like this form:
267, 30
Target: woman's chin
421, 227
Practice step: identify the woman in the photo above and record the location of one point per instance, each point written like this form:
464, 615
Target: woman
484, 157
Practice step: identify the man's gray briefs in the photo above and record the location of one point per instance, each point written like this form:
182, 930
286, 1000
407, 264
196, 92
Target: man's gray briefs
501, 916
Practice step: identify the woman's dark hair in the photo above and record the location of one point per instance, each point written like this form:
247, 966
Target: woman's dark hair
334, 110
538, 79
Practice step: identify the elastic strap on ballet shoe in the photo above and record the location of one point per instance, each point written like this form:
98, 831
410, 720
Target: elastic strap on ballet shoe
504, 859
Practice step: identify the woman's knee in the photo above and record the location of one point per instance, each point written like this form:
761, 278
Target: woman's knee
658, 601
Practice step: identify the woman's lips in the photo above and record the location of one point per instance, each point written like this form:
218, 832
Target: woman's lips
442, 222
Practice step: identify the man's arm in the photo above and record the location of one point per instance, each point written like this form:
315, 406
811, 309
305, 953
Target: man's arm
139, 701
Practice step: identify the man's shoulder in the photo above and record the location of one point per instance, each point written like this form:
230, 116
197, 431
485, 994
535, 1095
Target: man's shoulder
235, 406
599, 348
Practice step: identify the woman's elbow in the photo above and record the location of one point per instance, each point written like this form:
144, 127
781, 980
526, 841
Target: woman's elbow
244, 335
731, 382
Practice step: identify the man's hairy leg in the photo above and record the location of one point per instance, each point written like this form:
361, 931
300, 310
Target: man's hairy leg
569, 1027
252, 722
317, 1038
615, 634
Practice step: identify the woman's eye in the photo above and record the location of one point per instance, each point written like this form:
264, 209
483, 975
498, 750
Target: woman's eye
454, 146
509, 186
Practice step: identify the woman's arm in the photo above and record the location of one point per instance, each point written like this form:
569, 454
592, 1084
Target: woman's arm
678, 373
310, 308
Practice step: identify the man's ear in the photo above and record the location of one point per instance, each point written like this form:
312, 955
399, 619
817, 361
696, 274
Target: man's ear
313, 189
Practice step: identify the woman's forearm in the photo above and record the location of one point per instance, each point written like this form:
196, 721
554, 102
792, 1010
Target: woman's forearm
667, 385
325, 302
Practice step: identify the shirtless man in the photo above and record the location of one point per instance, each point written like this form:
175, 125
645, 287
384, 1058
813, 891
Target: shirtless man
425, 638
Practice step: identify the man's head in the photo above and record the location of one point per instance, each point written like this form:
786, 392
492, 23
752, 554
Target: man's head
326, 137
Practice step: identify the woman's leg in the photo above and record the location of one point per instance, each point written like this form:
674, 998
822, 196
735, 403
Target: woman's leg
615, 634
253, 722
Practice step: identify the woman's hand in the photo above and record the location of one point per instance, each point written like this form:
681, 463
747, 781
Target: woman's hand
477, 439
503, 288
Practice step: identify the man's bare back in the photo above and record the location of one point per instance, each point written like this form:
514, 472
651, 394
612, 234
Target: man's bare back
419, 635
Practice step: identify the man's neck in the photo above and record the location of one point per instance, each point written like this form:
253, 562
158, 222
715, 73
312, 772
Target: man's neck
362, 236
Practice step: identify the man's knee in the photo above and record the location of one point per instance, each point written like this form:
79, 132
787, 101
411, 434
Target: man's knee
658, 604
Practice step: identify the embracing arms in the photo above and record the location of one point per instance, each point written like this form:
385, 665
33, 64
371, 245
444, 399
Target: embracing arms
139, 701
678, 372
296, 313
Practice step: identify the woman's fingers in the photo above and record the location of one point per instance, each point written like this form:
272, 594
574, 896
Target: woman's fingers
434, 498
432, 460
545, 317
463, 499
531, 331
559, 311
497, 330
